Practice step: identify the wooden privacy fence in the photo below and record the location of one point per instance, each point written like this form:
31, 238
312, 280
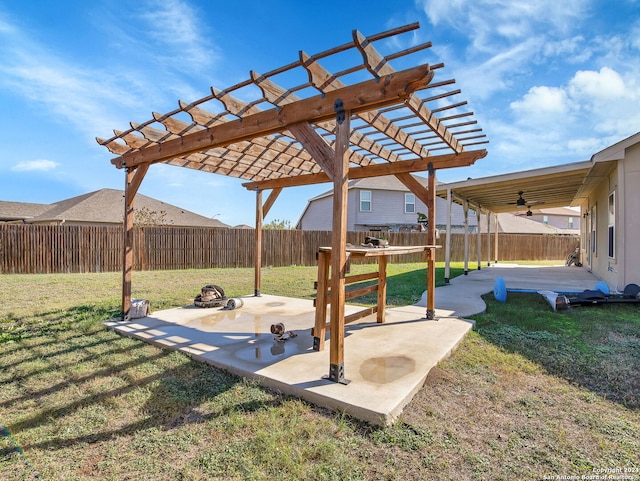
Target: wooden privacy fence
29, 249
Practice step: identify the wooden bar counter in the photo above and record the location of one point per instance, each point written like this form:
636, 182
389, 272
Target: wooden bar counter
323, 297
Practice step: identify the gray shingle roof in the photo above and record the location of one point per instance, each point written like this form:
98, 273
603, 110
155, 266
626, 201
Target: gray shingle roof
514, 224
106, 206
20, 210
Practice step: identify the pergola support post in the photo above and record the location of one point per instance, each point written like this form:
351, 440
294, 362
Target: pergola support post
339, 244
258, 264
133, 179
431, 240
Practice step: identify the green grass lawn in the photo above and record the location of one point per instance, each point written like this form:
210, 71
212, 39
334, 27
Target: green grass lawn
530, 393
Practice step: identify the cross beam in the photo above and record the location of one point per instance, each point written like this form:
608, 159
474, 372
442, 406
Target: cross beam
446, 161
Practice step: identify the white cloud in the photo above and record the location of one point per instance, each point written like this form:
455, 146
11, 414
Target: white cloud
586, 146
41, 165
573, 50
542, 101
481, 80
488, 23
175, 25
606, 84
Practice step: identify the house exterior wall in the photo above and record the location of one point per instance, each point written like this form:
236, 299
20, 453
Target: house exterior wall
629, 242
387, 209
624, 267
318, 215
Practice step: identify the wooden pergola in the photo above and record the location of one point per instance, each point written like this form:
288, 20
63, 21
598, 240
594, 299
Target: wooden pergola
366, 120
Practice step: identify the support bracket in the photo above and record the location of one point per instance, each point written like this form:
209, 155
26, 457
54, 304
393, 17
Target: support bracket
338, 108
336, 374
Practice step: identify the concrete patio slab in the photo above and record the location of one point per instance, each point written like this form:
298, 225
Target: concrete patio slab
386, 364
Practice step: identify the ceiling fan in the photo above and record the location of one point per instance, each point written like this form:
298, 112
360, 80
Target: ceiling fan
521, 203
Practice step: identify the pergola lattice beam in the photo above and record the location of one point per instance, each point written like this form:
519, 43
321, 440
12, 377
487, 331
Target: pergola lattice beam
379, 66
360, 97
324, 81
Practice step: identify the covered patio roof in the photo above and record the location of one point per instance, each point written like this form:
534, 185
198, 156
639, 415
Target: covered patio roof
556, 186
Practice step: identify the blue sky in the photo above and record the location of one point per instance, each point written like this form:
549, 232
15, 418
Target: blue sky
550, 83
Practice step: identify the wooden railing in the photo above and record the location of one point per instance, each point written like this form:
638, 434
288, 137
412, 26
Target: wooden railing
32, 249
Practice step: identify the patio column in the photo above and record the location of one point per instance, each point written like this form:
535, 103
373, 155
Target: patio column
133, 179
465, 209
488, 238
258, 264
479, 239
447, 245
495, 244
431, 240
339, 244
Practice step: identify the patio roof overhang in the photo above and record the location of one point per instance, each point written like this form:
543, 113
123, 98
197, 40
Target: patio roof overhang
557, 186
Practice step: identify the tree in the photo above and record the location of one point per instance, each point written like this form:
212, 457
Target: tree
278, 224
146, 217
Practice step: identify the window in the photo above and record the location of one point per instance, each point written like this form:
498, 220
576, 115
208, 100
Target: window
365, 200
594, 237
409, 203
545, 219
570, 222
611, 224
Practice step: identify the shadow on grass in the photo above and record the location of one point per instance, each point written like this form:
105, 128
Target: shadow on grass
51, 323
597, 347
75, 378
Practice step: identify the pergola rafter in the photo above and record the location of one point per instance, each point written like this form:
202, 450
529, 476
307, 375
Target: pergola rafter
329, 128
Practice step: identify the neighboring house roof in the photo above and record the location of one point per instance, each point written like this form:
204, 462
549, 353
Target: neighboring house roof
515, 224
106, 206
242, 226
20, 210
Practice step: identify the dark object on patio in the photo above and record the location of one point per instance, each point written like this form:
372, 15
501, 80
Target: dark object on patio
630, 294
375, 242
280, 334
277, 329
574, 258
210, 296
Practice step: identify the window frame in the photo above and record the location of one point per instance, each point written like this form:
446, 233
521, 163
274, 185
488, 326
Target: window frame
407, 203
611, 225
594, 230
363, 200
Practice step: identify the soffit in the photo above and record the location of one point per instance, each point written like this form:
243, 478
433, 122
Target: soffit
556, 186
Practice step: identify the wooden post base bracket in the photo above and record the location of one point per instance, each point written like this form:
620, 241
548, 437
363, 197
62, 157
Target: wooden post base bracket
336, 374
